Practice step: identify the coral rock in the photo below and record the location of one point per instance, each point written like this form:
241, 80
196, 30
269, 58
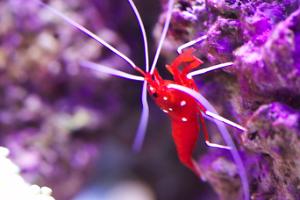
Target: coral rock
271, 71
274, 135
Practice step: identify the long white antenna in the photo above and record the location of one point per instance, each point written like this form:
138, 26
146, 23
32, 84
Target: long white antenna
87, 32
163, 35
141, 131
108, 70
142, 28
143, 123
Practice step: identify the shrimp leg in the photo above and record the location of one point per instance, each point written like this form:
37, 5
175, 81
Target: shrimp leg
190, 43
208, 69
224, 120
206, 136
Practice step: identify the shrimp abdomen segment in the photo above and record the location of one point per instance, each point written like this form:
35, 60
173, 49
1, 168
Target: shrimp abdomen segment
185, 135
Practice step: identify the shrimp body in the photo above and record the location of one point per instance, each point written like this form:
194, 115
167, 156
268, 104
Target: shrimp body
185, 135
179, 98
183, 110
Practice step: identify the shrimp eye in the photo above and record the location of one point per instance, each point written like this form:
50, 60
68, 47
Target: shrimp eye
155, 95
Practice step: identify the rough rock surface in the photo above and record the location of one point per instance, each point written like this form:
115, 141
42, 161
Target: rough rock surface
273, 135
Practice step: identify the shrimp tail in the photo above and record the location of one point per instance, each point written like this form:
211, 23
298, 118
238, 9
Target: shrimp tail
185, 136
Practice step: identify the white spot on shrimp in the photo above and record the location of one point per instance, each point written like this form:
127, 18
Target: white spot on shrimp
165, 98
151, 89
165, 111
183, 103
184, 119
170, 109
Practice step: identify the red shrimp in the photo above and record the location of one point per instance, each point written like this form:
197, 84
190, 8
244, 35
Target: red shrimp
179, 98
182, 109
